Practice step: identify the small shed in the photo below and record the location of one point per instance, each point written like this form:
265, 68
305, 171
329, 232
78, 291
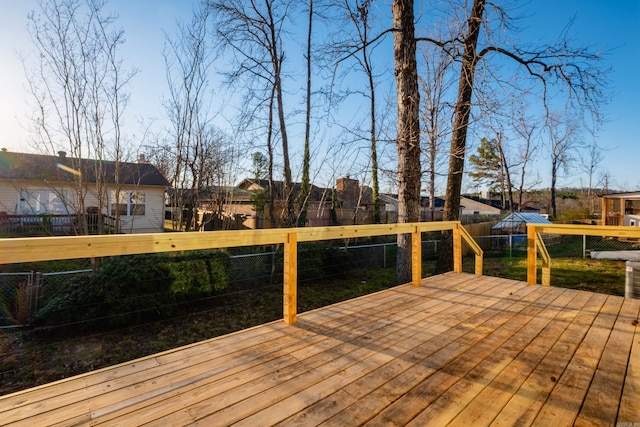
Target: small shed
511, 231
516, 223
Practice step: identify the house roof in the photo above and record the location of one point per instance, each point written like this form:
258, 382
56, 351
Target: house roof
392, 199
515, 219
627, 195
62, 169
214, 193
316, 193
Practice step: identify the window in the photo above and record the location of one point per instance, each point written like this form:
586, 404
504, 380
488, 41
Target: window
127, 203
35, 201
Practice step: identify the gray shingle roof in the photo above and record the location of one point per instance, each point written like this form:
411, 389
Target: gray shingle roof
56, 169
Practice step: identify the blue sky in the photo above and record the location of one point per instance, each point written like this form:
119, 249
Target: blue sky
612, 26
605, 24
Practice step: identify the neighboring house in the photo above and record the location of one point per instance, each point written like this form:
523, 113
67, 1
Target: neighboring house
214, 207
621, 209
469, 208
37, 188
426, 213
318, 209
352, 204
483, 207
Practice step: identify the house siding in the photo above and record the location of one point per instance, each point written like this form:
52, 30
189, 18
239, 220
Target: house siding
151, 222
153, 219
8, 198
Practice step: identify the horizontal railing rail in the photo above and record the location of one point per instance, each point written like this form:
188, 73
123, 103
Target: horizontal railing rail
19, 250
535, 243
55, 224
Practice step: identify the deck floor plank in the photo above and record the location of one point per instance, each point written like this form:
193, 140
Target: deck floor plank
485, 407
355, 323
600, 406
475, 398
565, 401
459, 350
430, 355
527, 401
222, 408
629, 409
456, 360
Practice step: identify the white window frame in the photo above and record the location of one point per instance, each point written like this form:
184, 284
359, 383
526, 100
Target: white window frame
39, 201
131, 203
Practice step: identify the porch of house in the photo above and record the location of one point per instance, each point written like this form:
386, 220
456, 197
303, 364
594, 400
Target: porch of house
461, 349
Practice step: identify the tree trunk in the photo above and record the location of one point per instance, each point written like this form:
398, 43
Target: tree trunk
408, 129
554, 174
305, 187
459, 137
507, 174
272, 219
375, 186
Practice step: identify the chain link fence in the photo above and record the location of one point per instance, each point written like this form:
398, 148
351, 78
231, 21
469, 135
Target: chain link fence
22, 294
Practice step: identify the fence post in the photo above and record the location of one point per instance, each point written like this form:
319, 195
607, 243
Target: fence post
384, 255
38, 281
531, 255
31, 296
290, 278
416, 256
457, 249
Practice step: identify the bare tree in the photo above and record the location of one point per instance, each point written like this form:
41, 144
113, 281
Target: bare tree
434, 86
253, 31
562, 143
590, 164
305, 186
525, 128
360, 17
79, 90
188, 60
462, 111
408, 95
574, 70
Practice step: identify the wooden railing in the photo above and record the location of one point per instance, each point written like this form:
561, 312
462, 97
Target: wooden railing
535, 244
54, 224
33, 249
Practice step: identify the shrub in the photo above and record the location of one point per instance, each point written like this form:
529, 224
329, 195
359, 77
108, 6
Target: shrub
131, 289
198, 274
122, 290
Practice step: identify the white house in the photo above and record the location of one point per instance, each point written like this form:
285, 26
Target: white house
34, 187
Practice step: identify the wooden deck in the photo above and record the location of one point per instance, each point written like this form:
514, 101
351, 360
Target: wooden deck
460, 350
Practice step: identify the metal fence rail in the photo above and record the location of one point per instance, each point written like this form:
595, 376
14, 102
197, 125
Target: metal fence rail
22, 294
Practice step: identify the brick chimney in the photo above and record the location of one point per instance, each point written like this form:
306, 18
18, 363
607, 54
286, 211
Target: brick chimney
348, 190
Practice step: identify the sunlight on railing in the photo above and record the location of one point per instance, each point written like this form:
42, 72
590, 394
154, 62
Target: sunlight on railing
33, 249
536, 244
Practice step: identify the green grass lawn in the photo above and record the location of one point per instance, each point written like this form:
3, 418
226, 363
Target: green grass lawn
603, 276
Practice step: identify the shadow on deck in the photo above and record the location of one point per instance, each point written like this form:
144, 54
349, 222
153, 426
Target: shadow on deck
461, 349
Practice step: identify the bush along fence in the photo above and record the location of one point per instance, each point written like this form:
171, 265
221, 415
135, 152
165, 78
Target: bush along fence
134, 288
21, 294
165, 278
143, 287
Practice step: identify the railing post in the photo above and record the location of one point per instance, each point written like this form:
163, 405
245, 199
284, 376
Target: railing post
532, 253
290, 278
416, 256
457, 249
